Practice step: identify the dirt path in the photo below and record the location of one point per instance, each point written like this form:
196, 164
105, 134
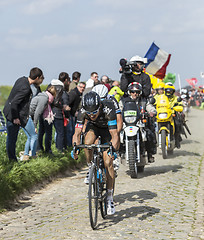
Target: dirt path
165, 202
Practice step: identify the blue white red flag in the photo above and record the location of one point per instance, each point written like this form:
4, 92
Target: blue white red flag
157, 61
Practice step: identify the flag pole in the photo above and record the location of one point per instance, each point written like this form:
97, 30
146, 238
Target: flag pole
179, 80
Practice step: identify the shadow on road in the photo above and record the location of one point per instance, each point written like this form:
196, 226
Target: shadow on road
150, 171
143, 212
188, 141
180, 152
139, 196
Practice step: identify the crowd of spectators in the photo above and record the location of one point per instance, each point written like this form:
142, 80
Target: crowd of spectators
39, 113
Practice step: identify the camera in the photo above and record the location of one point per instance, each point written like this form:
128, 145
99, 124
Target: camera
125, 66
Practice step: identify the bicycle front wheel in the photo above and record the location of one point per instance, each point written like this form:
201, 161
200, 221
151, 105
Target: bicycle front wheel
93, 196
103, 193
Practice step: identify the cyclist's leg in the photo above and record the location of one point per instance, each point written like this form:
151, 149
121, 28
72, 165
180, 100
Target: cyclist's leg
90, 138
108, 162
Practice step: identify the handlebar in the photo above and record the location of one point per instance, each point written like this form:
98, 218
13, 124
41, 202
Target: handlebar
93, 146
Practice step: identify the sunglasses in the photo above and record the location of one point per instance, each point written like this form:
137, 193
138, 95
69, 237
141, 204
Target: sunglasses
93, 113
132, 91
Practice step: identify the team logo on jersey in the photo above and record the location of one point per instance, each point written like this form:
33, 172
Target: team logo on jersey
107, 110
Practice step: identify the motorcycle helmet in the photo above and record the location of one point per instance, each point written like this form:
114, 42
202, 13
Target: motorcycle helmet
137, 58
159, 85
184, 91
138, 63
169, 90
136, 87
91, 102
101, 90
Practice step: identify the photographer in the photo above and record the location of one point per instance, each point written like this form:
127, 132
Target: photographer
132, 71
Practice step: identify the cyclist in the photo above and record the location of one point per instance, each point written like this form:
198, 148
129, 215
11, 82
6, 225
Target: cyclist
102, 122
102, 91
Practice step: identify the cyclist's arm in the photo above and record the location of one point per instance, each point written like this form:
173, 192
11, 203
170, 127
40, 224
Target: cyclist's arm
79, 127
115, 138
77, 134
119, 122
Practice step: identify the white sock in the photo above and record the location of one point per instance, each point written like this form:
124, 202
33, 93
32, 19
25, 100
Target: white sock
110, 194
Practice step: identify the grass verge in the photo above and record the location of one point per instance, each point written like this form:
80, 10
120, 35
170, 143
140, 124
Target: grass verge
15, 178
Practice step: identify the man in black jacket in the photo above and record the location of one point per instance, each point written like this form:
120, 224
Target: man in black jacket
74, 101
16, 109
136, 75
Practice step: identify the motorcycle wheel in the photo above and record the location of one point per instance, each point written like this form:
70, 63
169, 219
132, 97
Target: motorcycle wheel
164, 143
132, 158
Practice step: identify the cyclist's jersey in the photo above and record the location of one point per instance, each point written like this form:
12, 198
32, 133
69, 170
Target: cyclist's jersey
116, 105
105, 119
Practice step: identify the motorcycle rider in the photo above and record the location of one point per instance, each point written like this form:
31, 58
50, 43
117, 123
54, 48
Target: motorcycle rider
102, 122
173, 100
159, 90
135, 93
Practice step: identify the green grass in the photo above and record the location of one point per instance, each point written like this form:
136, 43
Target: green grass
15, 178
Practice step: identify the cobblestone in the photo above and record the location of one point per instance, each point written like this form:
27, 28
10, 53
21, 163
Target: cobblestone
165, 202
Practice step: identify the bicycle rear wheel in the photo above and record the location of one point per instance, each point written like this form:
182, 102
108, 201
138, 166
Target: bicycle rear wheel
93, 196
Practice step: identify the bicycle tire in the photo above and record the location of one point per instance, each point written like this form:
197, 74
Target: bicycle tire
93, 196
103, 195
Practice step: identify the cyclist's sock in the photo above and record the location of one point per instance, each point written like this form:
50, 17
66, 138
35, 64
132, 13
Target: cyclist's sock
110, 194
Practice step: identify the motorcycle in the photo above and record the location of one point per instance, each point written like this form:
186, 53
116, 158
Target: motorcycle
166, 125
133, 137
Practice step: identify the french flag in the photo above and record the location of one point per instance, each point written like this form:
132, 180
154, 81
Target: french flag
157, 61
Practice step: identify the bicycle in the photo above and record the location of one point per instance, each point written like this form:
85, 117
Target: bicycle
97, 192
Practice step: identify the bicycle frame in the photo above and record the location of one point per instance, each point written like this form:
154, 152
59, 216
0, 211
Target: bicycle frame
97, 192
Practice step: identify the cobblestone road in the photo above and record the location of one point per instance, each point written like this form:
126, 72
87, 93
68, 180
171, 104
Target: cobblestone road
165, 202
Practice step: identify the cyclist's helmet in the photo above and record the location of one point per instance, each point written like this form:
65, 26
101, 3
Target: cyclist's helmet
135, 87
169, 90
101, 90
91, 102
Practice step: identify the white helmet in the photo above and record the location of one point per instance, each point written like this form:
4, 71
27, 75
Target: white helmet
101, 90
184, 90
137, 58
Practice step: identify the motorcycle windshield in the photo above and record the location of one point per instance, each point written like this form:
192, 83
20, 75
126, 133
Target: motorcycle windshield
131, 109
163, 101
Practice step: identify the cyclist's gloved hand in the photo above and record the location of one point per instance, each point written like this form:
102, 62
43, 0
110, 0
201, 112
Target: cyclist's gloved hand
72, 154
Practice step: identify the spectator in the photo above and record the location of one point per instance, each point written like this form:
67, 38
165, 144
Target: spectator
40, 104
91, 82
44, 127
29, 130
105, 81
75, 80
74, 100
60, 112
116, 91
16, 109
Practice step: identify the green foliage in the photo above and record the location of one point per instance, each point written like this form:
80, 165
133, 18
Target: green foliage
18, 177
4, 93
43, 87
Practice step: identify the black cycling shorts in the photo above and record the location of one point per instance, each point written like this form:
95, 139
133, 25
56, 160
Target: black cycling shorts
103, 132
